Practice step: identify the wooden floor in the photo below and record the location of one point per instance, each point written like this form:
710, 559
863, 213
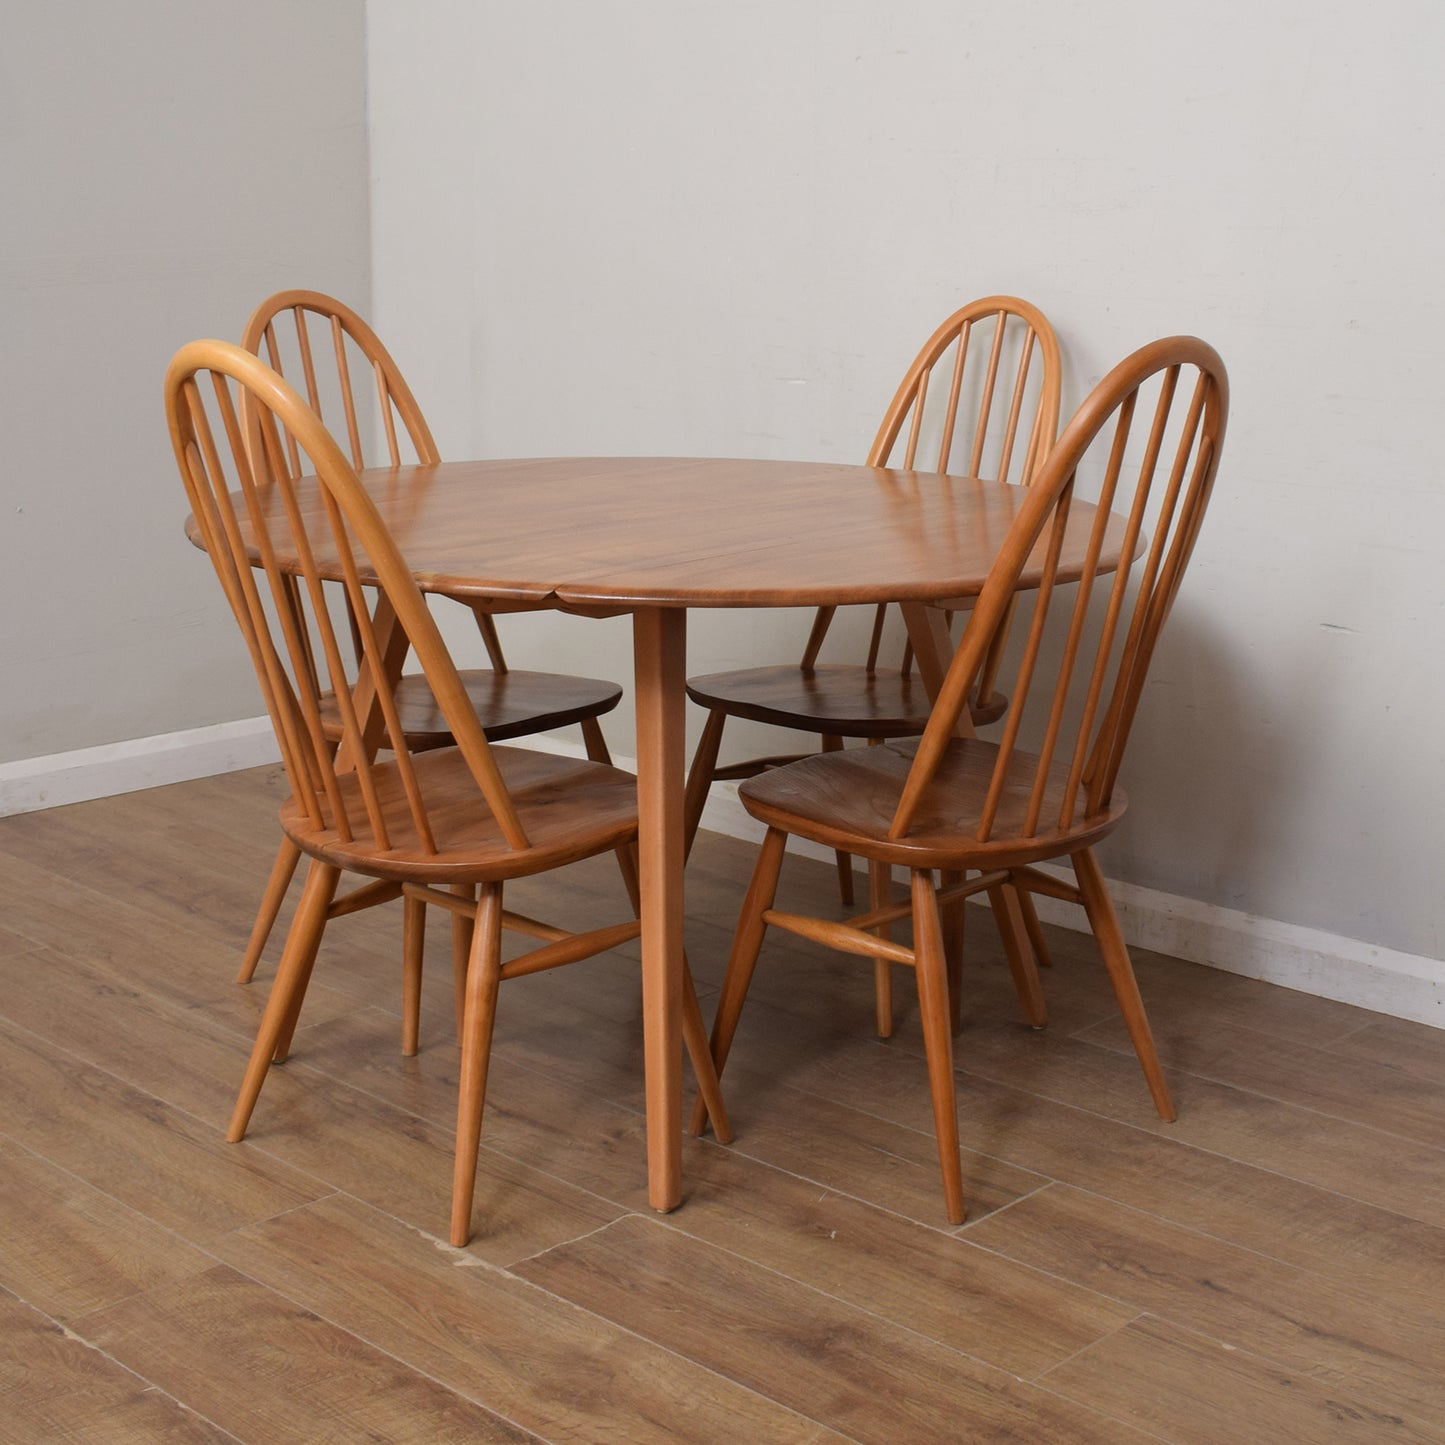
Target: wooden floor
1269, 1268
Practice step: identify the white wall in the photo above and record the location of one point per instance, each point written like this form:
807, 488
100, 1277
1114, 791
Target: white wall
164, 164
668, 226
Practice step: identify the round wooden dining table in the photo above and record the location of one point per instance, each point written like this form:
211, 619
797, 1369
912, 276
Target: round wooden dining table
654, 537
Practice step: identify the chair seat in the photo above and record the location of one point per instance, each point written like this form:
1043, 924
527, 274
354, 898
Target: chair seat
570, 809
843, 700
846, 800
508, 704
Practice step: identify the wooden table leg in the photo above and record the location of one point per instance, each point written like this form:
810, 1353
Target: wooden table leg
933, 648
659, 639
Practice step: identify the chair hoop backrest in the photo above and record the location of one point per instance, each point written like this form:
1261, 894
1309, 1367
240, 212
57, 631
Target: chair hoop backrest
1006, 390
272, 529
1020, 331
393, 396
1104, 659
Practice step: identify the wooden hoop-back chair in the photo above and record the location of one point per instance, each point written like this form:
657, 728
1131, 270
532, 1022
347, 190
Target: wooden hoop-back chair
346, 372
1046, 789
996, 419
994, 414
426, 820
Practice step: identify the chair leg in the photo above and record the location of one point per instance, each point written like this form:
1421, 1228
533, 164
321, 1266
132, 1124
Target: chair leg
598, 752
880, 888
1007, 915
594, 742
747, 942
627, 866
462, 928
694, 1035
699, 777
413, 946
1037, 941
287, 991
931, 968
484, 977
1105, 923
953, 933
282, 871
833, 744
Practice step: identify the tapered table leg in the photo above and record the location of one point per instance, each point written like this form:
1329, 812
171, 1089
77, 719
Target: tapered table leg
660, 659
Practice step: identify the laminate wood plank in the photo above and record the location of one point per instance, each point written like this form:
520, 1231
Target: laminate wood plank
12, 945
1415, 1049
60, 1390
267, 1369
785, 1221
1336, 1335
1258, 1207
186, 1051
1333, 1153
1378, 1095
544, 1363
852, 1370
168, 1165
69, 1249
1197, 1391
114, 855
149, 953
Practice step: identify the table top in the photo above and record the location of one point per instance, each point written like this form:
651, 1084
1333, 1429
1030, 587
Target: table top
683, 532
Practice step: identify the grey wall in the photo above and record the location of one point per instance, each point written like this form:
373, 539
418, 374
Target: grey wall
665, 226
164, 164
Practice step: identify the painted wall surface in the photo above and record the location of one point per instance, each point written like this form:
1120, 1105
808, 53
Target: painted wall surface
652, 227
163, 166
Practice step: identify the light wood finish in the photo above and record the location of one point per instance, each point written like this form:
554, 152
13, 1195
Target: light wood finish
994, 414
1150, 434
350, 380
688, 538
1245, 1263
468, 814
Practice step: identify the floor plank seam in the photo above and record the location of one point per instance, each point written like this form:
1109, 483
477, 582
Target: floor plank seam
847, 1304
414, 1369
148, 1385
1316, 1109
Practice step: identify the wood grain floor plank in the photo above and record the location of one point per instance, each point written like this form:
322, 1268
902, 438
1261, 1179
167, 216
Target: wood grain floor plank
1333, 1153
125, 939
1255, 1206
266, 1369
1199, 1392
168, 1165
1380, 1095
548, 1365
854, 1371
1412, 1048
68, 1249
1336, 1335
57, 1389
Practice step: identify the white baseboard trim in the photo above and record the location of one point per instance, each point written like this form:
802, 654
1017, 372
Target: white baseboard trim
1330, 965
101, 772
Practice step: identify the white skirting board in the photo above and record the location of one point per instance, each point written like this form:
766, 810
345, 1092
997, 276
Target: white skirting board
102, 772
1401, 984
